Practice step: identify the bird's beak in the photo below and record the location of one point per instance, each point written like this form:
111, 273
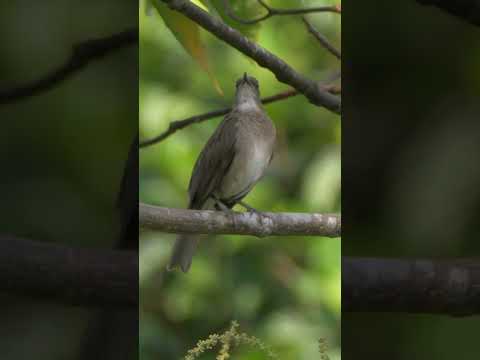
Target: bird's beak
245, 78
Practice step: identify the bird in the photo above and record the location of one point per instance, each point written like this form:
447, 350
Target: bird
232, 161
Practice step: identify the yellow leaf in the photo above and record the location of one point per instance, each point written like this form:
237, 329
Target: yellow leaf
188, 34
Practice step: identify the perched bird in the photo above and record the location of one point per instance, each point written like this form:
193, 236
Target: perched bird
231, 163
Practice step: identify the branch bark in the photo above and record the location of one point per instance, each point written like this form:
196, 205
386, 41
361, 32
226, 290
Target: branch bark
82, 54
282, 71
76, 276
246, 223
106, 278
450, 287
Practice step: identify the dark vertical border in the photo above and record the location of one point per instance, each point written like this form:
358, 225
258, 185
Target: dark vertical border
410, 198
69, 182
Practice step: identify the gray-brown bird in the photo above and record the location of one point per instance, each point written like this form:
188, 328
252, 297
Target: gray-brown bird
231, 163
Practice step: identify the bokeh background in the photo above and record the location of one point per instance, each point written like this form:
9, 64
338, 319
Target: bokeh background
410, 174
283, 290
62, 154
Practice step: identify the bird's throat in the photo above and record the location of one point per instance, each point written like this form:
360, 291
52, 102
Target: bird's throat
248, 105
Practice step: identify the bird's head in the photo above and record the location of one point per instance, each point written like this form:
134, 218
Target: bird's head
247, 90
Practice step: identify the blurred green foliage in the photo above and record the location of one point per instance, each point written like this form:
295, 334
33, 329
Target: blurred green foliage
283, 290
62, 153
410, 171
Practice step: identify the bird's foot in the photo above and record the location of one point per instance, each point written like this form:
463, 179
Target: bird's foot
249, 208
219, 205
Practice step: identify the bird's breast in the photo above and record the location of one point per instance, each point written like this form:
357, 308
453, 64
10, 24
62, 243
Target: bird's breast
248, 166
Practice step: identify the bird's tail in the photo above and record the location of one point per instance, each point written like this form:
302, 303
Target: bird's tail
183, 251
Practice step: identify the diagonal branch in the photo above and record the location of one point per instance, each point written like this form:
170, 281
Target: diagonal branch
246, 223
468, 10
282, 71
82, 54
76, 276
322, 39
450, 287
273, 11
180, 124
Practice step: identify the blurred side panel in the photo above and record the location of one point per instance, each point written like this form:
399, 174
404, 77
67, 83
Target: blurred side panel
68, 119
411, 179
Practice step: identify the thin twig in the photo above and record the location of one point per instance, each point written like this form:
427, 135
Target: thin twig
273, 11
82, 54
322, 39
245, 223
282, 71
180, 124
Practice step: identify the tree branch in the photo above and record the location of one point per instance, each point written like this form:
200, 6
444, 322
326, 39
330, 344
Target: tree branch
272, 11
411, 285
468, 10
82, 54
96, 277
77, 276
246, 223
321, 39
282, 71
180, 124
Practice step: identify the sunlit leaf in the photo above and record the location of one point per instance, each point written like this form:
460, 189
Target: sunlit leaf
188, 34
322, 181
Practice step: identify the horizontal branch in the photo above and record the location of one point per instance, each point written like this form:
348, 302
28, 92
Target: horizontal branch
108, 278
82, 54
274, 11
468, 10
246, 223
450, 287
180, 124
76, 276
282, 71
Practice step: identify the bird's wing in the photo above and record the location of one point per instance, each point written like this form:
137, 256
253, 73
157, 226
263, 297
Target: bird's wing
213, 162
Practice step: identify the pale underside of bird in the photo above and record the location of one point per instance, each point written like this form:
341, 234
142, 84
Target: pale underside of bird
231, 163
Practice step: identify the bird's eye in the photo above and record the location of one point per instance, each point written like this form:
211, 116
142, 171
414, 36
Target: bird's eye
255, 82
237, 83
